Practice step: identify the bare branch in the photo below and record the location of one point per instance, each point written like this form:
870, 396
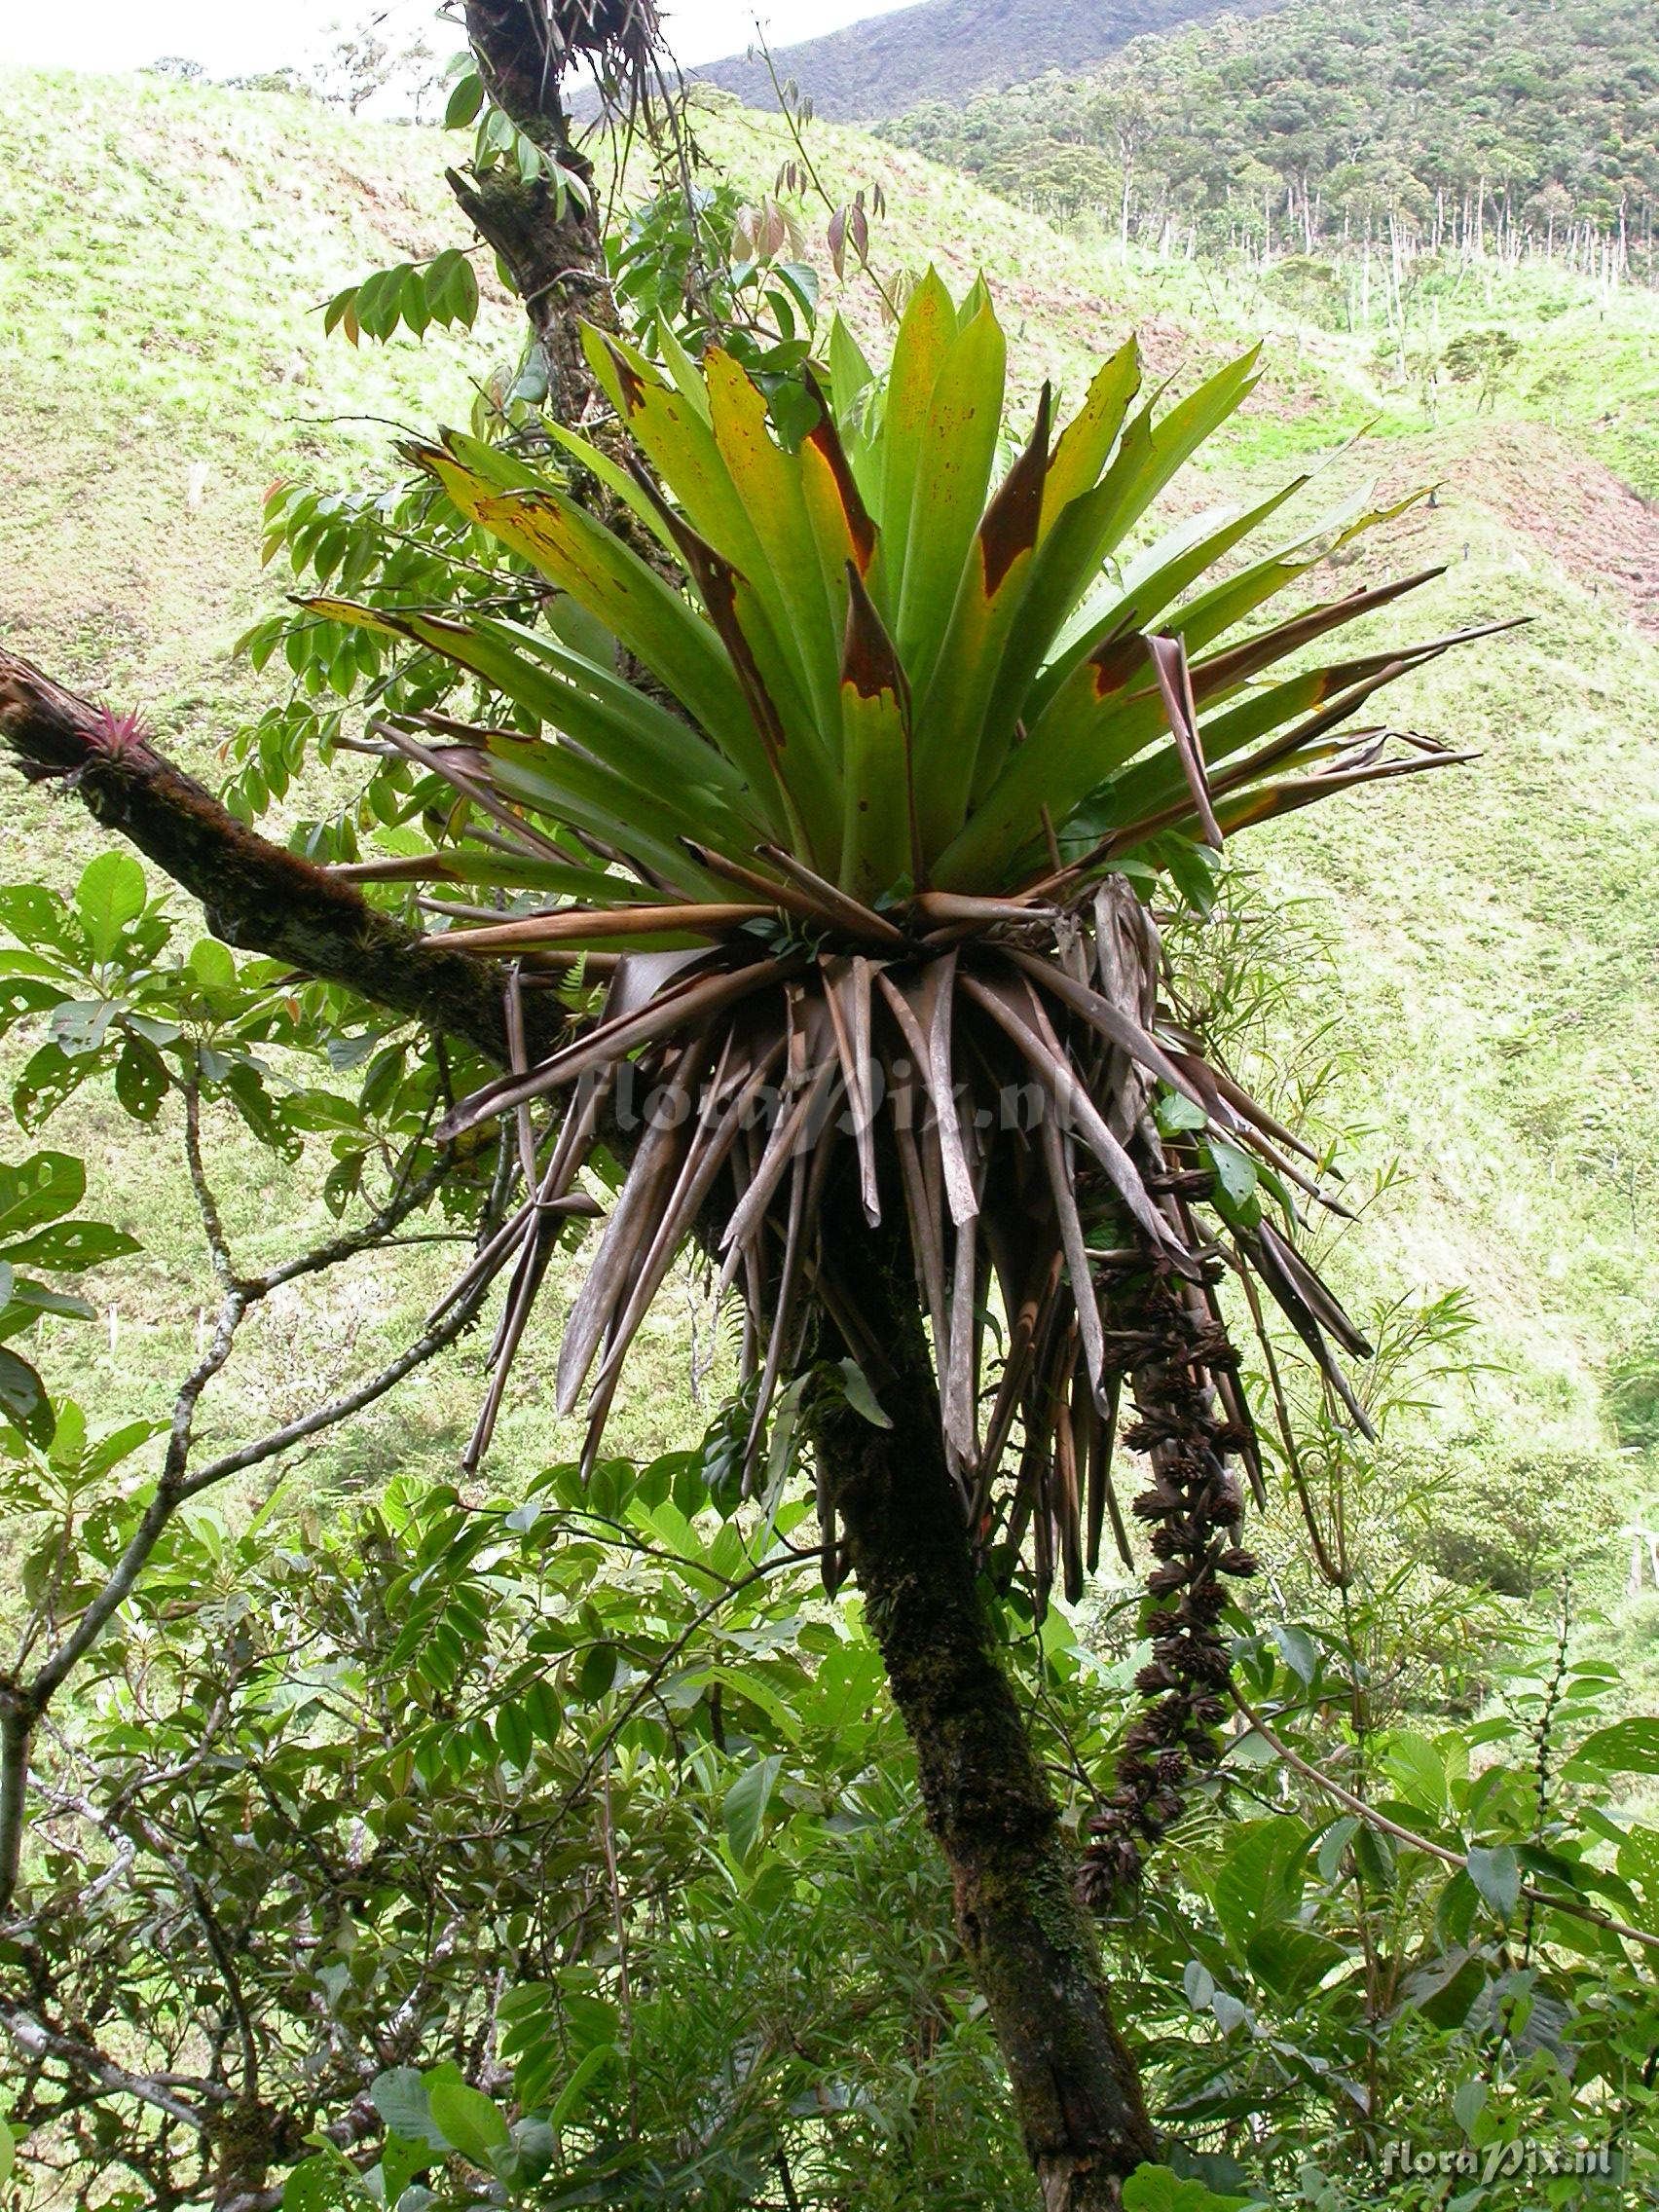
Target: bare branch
207, 1205
43, 2043
460, 1317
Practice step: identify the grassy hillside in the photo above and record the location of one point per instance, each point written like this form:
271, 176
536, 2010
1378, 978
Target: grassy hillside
947, 50
162, 252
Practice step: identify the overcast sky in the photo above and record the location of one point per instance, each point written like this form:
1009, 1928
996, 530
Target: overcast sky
231, 40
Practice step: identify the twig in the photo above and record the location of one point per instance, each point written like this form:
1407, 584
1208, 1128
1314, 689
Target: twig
1415, 1842
207, 1205
43, 2043
23, 1703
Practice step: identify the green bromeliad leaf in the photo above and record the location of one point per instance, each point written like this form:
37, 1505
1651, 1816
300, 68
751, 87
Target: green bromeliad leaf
857, 648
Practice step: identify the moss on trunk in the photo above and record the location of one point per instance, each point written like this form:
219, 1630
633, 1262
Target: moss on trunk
1028, 1939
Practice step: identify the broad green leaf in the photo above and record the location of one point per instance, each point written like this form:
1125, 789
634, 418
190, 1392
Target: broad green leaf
1085, 445
514, 1734
26, 1301
1416, 1768
1290, 1961
212, 964
141, 1080
860, 1396
654, 622
43, 1188
1093, 727
682, 370
1495, 1872
1235, 1180
877, 833
1625, 1746
749, 1682
71, 1246
926, 330
402, 2098
541, 1709
639, 750
1297, 1648
746, 1803
315, 2185
399, 2163
110, 894
575, 2089
677, 436
1151, 452
1333, 1846
1156, 2189
1149, 586
790, 579
120, 1444
1468, 2102
850, 373
464, 102
597, 1671
991, 598
468, 2122
1444, 1993
615, 479
1260, 1880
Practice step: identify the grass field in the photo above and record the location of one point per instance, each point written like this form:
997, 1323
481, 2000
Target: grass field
163, 255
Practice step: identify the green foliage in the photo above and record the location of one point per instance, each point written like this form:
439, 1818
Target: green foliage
443, 291
715, 269
377, 1744
357, 1730
35, 1198
1522, 1519
1156, 2189
1633, 1392
121, 999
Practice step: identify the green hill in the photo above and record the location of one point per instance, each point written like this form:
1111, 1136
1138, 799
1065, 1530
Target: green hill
163, 251
1520, 129
948, 49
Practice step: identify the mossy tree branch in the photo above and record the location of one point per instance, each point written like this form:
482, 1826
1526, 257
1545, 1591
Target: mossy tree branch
256, 896
1029, 1940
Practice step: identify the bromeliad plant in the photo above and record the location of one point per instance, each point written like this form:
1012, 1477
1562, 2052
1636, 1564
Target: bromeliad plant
848, 767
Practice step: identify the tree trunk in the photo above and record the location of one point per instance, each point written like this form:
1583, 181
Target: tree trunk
1028, 1939
547, 237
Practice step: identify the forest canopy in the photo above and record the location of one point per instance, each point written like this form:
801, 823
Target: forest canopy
1311, 128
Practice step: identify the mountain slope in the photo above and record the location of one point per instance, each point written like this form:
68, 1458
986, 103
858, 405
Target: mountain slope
948, 49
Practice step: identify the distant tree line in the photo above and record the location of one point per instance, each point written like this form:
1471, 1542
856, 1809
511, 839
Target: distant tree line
1383, 129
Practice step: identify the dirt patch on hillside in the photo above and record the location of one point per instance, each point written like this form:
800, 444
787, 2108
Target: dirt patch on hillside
1602, 533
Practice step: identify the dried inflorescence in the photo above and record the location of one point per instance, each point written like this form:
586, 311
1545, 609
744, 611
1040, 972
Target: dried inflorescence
1191, 1507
